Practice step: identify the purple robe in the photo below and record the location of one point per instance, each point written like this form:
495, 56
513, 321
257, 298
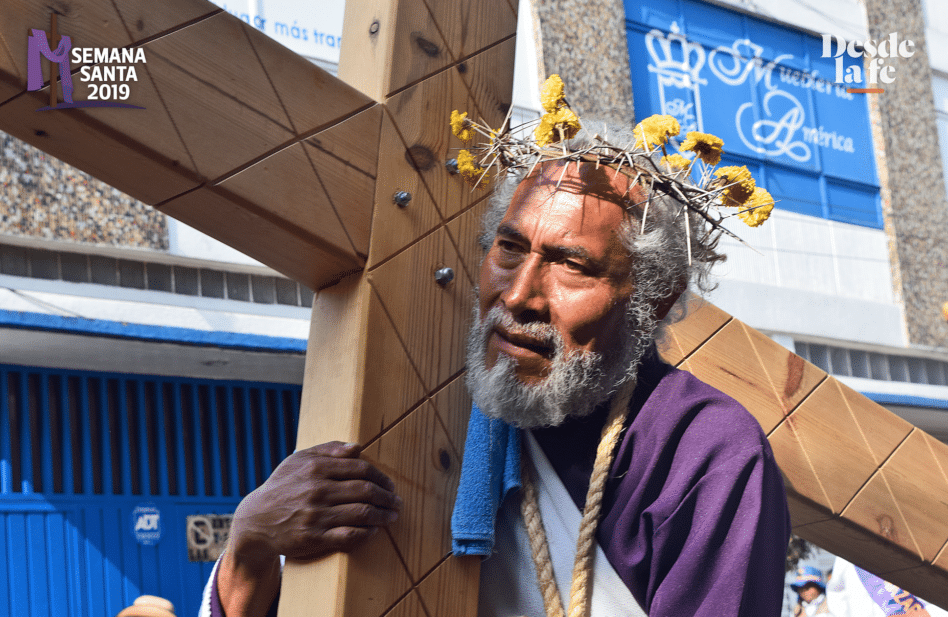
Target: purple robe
694, 517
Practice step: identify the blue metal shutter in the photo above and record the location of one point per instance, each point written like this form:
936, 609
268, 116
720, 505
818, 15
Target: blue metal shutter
80, 450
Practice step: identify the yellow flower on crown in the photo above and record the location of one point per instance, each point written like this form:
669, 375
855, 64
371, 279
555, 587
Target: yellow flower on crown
762, 204
738, 184
707, 147
461, 127
551, 94
676, 162
548, 131
470, 170
655, 131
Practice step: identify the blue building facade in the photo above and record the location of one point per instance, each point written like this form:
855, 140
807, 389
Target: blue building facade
769, 93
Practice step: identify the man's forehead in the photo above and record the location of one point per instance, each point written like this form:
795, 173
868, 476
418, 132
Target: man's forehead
566, 223
586, 179
563, 213
578, 176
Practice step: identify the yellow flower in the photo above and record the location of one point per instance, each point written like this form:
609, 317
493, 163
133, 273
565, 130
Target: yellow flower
543, 134
676, 161
738, 183
707, 147
548, 131
470, 170
551, 94
656, 130
763, 205
944, 310
460, 126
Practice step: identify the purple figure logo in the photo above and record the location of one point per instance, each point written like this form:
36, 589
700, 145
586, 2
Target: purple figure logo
37, 48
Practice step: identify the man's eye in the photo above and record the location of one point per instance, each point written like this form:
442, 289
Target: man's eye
574, 266
508, 246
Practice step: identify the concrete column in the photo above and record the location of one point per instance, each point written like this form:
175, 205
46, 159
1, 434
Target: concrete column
584, 42
916, 215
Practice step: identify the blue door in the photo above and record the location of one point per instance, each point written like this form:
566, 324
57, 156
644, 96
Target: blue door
83, 455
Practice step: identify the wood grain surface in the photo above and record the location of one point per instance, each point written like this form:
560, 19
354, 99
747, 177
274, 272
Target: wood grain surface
226, 109
391, 341
861, 482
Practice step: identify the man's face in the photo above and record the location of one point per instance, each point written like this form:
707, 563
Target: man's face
553, 299
557, 259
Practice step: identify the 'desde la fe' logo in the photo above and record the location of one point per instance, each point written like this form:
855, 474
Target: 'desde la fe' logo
109, 72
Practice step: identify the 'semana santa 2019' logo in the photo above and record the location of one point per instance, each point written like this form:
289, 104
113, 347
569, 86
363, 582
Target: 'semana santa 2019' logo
108, 71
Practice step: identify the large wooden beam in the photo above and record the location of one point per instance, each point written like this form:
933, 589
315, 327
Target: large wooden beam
386, 355
240, 137
861, 482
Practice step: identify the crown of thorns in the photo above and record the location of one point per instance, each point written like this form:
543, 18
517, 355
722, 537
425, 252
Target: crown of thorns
693, 179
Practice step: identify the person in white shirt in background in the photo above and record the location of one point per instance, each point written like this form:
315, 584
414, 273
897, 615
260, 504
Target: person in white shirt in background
810, 587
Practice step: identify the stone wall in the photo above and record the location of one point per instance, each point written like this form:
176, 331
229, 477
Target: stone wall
42, 197
584, 42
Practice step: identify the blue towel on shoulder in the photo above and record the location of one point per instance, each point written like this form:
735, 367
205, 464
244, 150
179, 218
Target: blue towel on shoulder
489, 470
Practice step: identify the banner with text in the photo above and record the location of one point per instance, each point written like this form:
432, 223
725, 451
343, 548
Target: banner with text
311, 29
768, 92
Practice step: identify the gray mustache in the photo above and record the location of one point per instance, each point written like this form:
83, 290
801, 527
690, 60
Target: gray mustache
542, 333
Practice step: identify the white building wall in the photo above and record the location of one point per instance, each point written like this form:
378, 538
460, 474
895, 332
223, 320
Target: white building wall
843, 18
185, 241
804, 276
936, 33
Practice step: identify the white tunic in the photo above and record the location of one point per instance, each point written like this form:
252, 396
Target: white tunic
508, 578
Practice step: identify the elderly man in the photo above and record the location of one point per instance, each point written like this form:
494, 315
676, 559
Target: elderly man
693, 516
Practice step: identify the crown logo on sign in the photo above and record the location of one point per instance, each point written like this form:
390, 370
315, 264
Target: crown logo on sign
682, 73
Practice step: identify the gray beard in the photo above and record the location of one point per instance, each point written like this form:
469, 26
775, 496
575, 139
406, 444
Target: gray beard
577, 382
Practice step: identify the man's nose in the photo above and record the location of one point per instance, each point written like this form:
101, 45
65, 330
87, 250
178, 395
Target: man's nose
525, 296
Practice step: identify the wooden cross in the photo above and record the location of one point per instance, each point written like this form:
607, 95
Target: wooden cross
257, 147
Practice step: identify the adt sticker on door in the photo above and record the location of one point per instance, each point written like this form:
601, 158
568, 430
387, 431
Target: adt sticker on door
146, 524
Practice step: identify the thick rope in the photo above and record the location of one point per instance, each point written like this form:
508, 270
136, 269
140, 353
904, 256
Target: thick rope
539, 547
580, 591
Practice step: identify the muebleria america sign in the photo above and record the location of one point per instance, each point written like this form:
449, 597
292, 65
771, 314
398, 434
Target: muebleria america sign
768, 91
780, 130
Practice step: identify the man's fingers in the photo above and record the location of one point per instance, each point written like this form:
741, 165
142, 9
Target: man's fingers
361, 491
342, 462
355, 469
347, 538
337, 449
337, 539
358, 515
